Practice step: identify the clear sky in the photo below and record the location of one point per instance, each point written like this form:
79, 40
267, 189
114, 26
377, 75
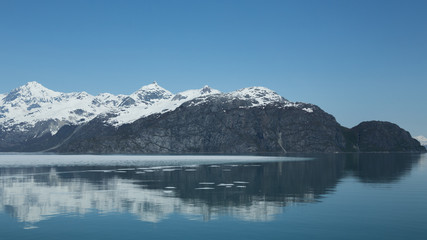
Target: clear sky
358, 60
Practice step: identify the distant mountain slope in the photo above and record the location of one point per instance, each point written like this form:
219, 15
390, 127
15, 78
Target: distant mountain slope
154, 120
422, 140
377, 136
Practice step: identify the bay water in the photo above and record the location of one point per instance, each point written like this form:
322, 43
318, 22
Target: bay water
324, 196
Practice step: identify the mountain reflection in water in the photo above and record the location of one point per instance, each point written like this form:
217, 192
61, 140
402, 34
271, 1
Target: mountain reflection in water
250, 192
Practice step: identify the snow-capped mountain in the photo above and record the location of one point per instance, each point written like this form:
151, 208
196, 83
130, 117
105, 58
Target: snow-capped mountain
422, 140
154, 120
32, 103
151, 94
152, 99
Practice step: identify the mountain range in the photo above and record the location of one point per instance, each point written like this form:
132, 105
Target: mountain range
154, 120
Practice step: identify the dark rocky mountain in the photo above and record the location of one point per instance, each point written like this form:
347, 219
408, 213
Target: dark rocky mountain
215, 126
250, 120
376, 136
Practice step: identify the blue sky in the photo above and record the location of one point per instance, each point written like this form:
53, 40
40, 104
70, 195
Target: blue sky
358, 60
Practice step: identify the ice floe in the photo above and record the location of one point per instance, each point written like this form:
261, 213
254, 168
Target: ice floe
204, 188
240, 182
225, 185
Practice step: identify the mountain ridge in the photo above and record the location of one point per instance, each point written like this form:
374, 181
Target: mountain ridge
23, 105
154, 120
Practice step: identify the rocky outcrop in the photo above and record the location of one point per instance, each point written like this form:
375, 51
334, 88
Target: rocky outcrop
377, 136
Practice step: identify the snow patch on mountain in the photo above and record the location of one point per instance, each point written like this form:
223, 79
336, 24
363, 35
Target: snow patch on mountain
194, 93
309, 110
163, 102
108, 99
422, 140
258, 96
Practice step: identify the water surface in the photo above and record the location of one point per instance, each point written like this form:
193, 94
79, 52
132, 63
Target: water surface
337, 196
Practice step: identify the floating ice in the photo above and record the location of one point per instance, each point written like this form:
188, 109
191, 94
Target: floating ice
191, 166
166, 161
30, 227
103, 171
225, 185
240, 182
161, 167
169, 169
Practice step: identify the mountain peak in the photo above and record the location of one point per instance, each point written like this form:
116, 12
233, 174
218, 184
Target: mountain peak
31, 90
33, 86
206, 89
151, 92
153, 85
259, 95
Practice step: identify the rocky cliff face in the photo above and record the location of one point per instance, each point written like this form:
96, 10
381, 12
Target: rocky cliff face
153, 120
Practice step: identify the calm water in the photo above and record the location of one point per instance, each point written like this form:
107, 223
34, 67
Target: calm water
355, 196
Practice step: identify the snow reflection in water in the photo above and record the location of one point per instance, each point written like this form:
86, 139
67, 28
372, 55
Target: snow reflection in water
249, 192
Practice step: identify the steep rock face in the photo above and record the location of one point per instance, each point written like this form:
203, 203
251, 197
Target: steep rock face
377, 136
218, 124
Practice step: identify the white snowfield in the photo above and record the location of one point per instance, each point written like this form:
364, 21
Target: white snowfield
422, 140
32, 103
